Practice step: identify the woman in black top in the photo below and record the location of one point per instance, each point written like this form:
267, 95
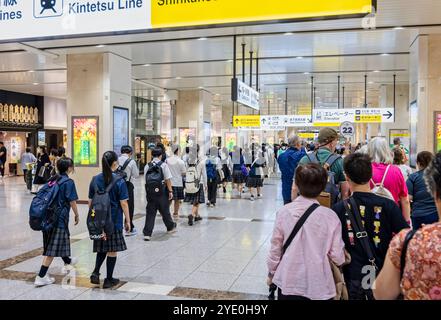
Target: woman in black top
43, 161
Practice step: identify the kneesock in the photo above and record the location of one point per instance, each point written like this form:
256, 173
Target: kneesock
110, 263
100, 257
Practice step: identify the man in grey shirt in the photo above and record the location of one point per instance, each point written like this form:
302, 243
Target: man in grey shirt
130, 168
27, 158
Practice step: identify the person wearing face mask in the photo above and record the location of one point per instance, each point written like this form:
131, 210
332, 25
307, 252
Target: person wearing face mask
56, 242
119, 196
328, 141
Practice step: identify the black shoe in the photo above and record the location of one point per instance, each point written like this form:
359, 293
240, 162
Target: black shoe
190, 220
95, 278
198, 218
225, 190
110, 283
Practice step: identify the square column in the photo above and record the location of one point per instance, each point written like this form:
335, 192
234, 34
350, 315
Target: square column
95, 84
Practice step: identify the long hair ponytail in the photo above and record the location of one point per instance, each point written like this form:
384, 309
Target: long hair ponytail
109, 158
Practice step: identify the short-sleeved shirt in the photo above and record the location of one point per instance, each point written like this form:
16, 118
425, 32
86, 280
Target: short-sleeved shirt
4, 155
382, 220
118, 193
177, 168
66, 194
422, 272
423, 203
165, 169
394, 181
323, 155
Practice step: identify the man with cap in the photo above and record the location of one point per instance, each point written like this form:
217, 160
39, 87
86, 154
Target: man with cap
130, 170
288, 162
327, 143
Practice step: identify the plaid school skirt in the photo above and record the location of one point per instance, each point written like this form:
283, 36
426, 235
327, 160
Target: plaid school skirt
238, 177
196, 198
254, 182
56, 243
114, 243
178, 193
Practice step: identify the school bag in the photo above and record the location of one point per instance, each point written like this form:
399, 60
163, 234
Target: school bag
330, 195
121, 171
99, 219
192, 180
154, 180
44, 209
211, 170
380, 189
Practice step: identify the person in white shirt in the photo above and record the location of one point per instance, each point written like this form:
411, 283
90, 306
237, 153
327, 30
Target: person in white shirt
201, 174
130, 168
212, 167
177, 169
158, 200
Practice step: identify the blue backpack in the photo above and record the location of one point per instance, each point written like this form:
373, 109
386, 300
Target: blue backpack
211, 170
44, 210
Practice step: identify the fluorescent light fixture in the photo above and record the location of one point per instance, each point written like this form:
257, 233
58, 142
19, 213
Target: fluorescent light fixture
377, 71
202, 38
100, 46
201, 88
306, 72
31, 71
230, 60
385, 54
398, 28
147, 65
35, 83
288, 33
178, 78
299, 57
371, 82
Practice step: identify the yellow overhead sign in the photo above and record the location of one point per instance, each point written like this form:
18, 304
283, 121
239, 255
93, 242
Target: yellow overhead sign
369, 119
307, 135
183, 13
246, 121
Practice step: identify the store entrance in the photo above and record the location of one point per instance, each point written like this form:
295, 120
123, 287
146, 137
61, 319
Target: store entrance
143, 146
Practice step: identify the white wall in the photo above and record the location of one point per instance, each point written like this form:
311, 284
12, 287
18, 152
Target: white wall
55, 116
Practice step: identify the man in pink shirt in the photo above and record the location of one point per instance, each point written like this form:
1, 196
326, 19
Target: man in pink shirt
304, 271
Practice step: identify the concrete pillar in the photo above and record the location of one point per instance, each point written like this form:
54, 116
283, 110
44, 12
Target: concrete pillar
95, 84
425, 88
193, 110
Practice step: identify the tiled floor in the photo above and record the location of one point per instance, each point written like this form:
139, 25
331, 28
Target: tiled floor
224, 256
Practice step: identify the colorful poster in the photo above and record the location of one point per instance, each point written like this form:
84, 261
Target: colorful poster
186, 137
85, 141
438, 131
404, 136
16, 150
41, 138
120, 128
230, 140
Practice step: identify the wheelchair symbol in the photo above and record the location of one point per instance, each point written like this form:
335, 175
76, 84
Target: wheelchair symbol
48, 4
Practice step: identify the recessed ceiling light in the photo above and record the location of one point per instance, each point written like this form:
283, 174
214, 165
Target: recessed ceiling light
230, 60
371, 82
398, 28
202, 38
31, 71
201, 88
299, 57
306, 72
288, 33
178, 78
100, 46
35, 83
385, 54
376, 71
147, 65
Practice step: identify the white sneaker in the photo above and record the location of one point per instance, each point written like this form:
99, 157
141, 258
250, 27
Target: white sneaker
134, 232
69, 267
147, 238
259, 196
252, 198
45, 281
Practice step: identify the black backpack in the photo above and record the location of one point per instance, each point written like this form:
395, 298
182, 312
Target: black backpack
331, 194
154, 180
121, 171
99, 218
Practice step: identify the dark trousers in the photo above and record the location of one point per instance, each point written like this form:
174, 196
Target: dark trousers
281, 296
356, 291
2, 169
131, 190
212, 191
161, 204
25, 175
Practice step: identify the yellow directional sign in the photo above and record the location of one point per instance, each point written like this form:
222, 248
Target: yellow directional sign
183, 13
369, 119
246, 121
307, 135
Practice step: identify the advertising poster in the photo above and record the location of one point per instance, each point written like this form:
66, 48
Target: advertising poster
16, 150
120, 128
186, 137
413, 133
207, 136
41, 138
437, 131
404, 136
85, 141
230, 140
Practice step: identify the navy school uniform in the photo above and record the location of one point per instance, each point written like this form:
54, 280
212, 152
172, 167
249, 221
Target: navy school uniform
119, 192
56, 242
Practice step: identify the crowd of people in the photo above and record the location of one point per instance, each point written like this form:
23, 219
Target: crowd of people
358, 214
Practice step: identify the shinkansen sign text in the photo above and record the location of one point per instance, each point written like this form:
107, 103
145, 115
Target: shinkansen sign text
244, 94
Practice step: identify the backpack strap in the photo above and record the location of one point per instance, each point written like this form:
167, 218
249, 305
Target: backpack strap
409, 237
112, 183
313, 157
332, 159
360, 232
298, 226
384, 177
126, 164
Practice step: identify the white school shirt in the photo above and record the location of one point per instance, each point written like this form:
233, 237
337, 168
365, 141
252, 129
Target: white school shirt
177, 168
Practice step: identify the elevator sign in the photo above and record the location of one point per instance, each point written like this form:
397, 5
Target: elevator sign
22, 20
